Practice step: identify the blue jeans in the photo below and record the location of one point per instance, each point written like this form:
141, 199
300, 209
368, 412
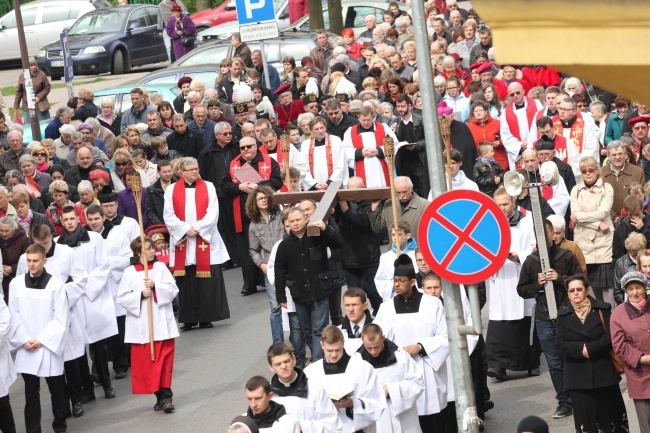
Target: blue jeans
364, 278
297, 338
276, 313
546, 334
314, 317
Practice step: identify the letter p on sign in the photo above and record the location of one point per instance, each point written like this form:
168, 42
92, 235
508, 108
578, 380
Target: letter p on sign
252, 5
254, 11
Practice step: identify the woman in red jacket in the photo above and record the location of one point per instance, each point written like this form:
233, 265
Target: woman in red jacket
352, 47
484, 128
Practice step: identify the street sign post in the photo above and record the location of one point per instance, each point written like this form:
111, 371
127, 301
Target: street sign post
68, 68
261, 15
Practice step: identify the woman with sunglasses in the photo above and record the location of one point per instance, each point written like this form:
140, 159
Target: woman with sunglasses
41, 158
122, 162
591, 203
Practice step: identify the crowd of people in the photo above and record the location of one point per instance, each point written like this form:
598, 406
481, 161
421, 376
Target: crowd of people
367, 332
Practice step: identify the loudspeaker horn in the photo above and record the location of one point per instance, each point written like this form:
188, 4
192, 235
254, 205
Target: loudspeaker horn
513, 182
549, 174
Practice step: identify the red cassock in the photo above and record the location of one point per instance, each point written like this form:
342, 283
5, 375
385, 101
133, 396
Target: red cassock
287, 115
502, 87
147, 376
540, 75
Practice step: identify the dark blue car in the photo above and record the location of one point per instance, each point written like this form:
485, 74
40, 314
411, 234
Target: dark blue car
108, 40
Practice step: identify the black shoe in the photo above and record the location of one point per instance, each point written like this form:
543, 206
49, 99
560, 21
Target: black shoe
77, 410
109, 392
534, 372
188, 327
87, 398
488, 405
226, 265
497, 373
481, 427
245, 292
68, 412
168, 406
120, 374
206, 325
563, 411
158, 406
94, 377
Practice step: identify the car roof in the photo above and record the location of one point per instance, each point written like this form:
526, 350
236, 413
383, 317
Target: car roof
121, 8
127, 87
37, 2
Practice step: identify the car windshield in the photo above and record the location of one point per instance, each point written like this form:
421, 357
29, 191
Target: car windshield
100, 23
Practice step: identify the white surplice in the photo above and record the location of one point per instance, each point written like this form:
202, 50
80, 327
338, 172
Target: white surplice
316, 412
207, 227
385, 271
374, 172
118, 248
405, 383
368, 397
7, 369
130, 298
39, 314
511, 142
295, 160
63, 265
318, 173
589, 145
428, 328
130, 227
505, 302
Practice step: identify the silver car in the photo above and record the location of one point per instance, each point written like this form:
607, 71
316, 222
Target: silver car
43, 20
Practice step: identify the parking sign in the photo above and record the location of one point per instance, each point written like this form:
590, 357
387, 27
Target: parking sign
68, 70
254, 11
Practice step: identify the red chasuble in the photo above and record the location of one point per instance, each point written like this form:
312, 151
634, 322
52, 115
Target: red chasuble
576, 131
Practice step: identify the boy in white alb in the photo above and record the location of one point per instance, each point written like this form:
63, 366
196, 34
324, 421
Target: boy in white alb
7, 370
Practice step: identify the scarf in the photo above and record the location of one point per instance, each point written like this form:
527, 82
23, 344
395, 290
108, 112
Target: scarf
386, 357
74, 239
297, 388
411, 245
639, 305
279, 158
33, 188
202, 248
582, 309
53, 209
268, 418
43, 168
25, 223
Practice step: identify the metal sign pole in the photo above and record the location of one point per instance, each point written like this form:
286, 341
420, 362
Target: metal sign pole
265, 66
466, 415
29, 90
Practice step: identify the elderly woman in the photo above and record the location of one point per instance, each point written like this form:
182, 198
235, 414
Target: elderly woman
148, 168
27, 218
133, 136
13, 243
89, 131
99, 179
583, 338
34, 179
591, 202
64, 142
484, 128
103, 134
181, 29
87, 108
572, 85
616, 121
635, 246
629, 331
352, 46
126, 204
53, 158
122, 161
13, 178
59, 191
108, 119
304, 120
63, 116
86, 195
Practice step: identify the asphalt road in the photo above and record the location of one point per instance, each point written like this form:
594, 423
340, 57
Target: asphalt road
212, 366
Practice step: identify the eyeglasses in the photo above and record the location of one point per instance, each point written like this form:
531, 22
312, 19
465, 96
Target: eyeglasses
41, 154
121, 164
246, 147
261, 199
191, 169
589, 170
565, 109
517, 93
576, 289
225, 133
452, 88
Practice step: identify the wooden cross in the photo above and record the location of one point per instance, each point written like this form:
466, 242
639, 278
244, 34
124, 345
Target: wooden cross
203, 246
327, 200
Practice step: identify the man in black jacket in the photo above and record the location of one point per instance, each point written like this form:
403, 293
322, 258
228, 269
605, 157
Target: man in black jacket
411, 159
337, 121
637, 220
301, 265
187, 142
360, 253
531, 285
155, 199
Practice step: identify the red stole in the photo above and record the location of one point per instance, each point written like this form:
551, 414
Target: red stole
357, 142
547, 192
202, 247
576, 131
560, 148
264, 169
328, 156
279, 157
513, 122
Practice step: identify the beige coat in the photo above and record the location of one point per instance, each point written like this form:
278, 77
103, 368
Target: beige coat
591, 206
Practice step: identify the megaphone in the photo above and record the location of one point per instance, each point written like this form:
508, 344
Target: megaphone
549, 174
513, 183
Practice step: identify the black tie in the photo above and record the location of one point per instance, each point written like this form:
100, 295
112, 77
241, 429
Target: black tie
357, 334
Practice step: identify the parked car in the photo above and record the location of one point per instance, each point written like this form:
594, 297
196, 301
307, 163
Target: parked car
43, 21
108, 40
122, 96
224, 13
276, 49
207, 73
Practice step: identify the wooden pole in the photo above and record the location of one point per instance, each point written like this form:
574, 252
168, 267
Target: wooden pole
389, 156
445, 131
285, 148
136, 188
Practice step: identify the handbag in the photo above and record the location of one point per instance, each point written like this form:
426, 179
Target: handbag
617, 360
188, 39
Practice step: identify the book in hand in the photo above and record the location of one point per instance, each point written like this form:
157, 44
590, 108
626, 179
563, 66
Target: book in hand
340, 395
247, 173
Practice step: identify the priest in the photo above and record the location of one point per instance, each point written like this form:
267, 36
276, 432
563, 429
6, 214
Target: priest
416, 323
517, 121
581, 130
191, 214
350, 382
325, 157
401, 378
288, 109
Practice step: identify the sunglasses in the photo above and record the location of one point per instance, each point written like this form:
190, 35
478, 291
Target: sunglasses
246, 147
41, 154
590, 170
121, 164
517, 93
225, 133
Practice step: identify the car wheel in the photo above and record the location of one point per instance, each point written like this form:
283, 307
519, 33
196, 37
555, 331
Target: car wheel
118, 63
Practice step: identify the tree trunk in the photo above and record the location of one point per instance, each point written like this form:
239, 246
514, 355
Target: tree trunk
336, 16
203, 4
316, 15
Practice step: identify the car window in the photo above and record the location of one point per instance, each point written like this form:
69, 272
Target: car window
297, 51
169, 78
100, 99
356, 16
305, 27
126, 102
210, 55
138, 18
99, 23
208, 77
55, 13
284, 13
272, 52
152, 16
29, 18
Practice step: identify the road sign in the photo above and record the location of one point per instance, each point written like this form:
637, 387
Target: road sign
254, 11
68, 70
259, 32
464, 236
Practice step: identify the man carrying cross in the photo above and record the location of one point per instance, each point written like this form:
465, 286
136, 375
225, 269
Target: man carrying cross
191, 213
